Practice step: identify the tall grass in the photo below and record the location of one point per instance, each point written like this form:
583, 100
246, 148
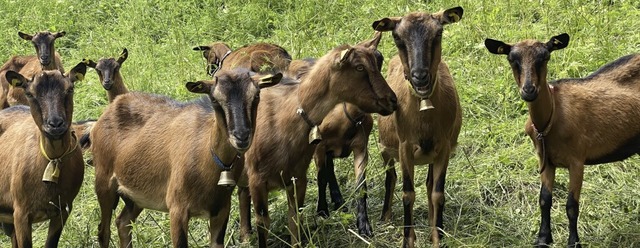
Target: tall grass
492, 183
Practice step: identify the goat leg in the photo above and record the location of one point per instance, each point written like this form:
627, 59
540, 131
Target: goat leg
321, 159
55, 226
409, 194
296, 194
389, 186
544, 235
576, 175
360, 161
244, 200
124, 220
438, 173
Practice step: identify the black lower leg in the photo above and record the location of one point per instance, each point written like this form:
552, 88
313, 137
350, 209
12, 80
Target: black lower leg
573, 210
544, 235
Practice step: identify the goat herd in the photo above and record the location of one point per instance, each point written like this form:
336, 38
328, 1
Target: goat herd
265, 116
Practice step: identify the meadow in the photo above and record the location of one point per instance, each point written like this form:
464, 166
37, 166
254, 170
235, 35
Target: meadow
492, 182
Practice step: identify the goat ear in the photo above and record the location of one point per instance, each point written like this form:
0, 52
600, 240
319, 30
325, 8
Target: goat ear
497, 47
25, 36
344, 54
77, 72
16, 79
451, 15
373, 43
558, 42
386, 24
123, 56
202, 48
89, 63
59, 34
269, 80
198, 87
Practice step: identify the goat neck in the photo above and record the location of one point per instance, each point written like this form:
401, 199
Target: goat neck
58, 148
541, 110
219, 143
315, 99
118, 87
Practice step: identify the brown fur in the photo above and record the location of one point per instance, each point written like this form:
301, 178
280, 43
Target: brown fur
25, 199
281, 151
29, 66
415, 137
575, 117
160, 157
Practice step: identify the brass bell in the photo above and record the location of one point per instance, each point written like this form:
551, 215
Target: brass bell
226, 179
314, 135
51, 173
425, 104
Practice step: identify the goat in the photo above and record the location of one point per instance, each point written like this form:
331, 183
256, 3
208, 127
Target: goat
345, 129
167, 157
560, 112
43, 169
46, 58
259, 57
413, 135
109, 73
281, 150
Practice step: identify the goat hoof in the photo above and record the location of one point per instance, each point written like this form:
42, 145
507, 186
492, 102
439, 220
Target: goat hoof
543, 242
365, 230
324, 213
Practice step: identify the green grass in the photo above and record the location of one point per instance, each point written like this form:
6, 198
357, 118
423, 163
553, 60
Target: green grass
492, 183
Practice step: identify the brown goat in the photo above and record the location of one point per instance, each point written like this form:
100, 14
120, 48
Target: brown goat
109, 72
46, 58
168, 157
345, 129
570, 120
281, 150
38, 140
259, 57
412, 135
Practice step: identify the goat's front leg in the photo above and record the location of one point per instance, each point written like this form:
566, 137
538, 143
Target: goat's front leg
547, 177
244, 200
435, 188
321, 158
218, 224
22, 231
179, 218
576, 176
260, 197
334, 188
56, 224
295, 195
408, 190
360, 160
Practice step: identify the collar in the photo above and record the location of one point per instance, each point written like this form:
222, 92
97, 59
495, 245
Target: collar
314, 133
353, 120
221, 164
72, 147
220, 63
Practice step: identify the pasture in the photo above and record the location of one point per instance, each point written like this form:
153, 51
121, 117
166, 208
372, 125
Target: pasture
492, 182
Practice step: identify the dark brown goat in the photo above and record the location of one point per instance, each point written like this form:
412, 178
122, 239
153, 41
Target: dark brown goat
109, 72
46, 58
281, 151
168, 157
259, 57
570, 120
412, 135
39, 144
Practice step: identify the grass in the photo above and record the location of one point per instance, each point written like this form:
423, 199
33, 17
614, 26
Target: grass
492, 183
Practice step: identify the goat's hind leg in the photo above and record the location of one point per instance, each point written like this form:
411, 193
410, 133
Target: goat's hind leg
389, 185
129, 213
321, 158
360, 160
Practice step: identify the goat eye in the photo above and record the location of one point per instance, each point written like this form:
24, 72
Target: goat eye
28, 94
360, 68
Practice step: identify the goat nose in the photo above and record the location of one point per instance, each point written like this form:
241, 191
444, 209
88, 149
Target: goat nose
55, 122
242, 136
420, 78
529, 89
